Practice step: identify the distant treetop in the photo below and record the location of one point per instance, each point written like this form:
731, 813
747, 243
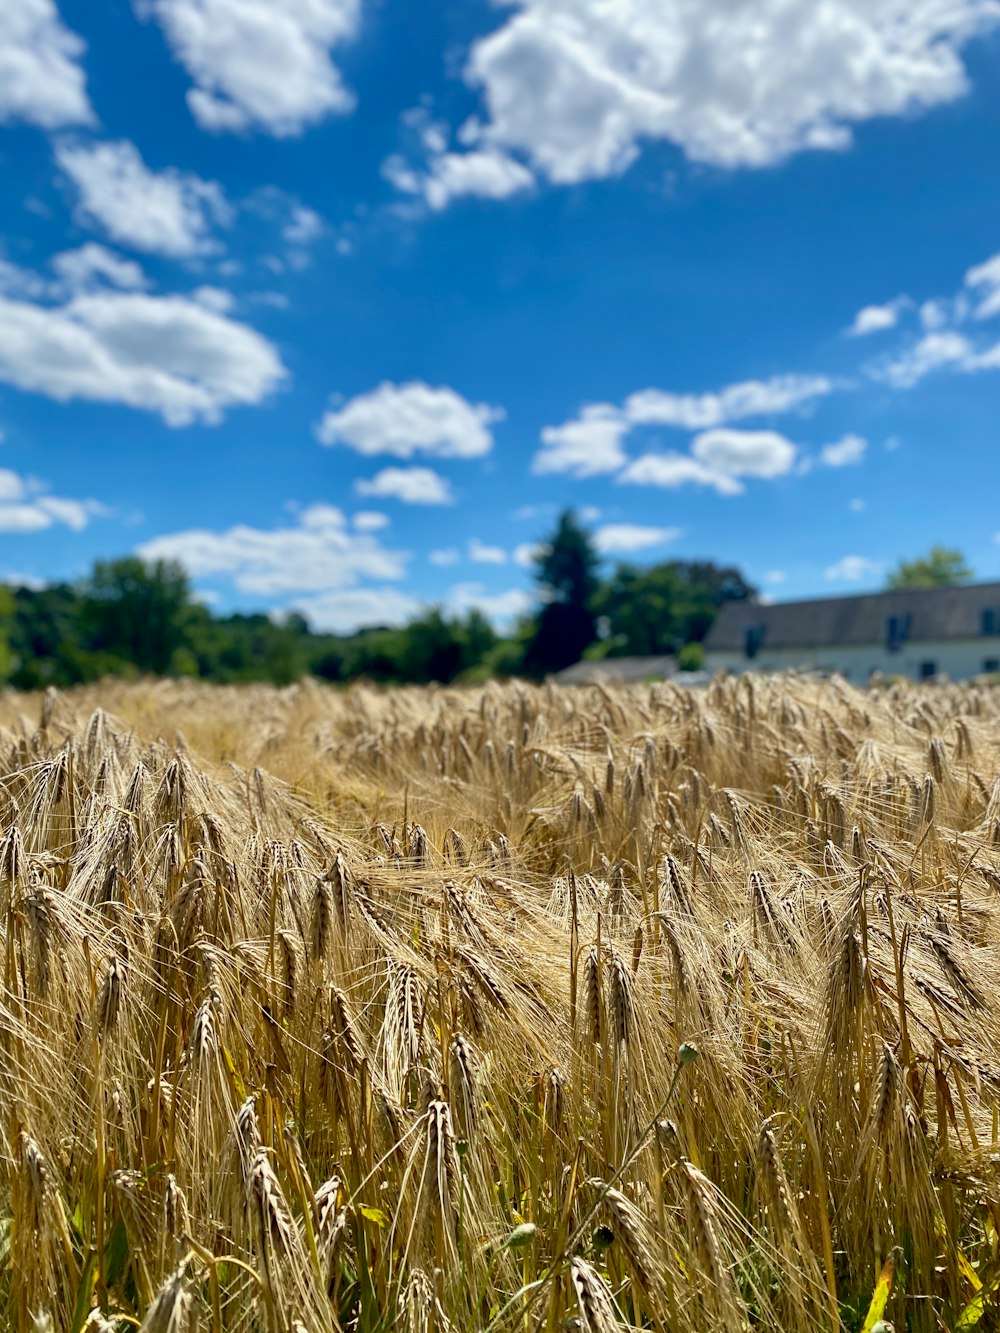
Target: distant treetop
941, 567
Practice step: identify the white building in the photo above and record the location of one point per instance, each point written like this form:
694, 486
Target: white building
914, 632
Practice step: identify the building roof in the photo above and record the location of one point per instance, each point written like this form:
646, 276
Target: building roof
617, 668
935, 614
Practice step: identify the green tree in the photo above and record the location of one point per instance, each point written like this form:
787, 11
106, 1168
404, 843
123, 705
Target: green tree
941, 567
137, 611
566, 571
653, 612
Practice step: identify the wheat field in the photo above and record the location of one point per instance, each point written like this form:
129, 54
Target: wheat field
519, 1008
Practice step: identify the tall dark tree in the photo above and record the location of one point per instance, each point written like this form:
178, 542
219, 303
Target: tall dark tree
566, 570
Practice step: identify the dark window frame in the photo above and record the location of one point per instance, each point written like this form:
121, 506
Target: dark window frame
897, 631
753, 640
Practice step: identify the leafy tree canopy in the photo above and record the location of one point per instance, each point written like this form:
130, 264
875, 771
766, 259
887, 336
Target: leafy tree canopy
941, 567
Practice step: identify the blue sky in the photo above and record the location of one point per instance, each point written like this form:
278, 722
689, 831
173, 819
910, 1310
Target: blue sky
340, 301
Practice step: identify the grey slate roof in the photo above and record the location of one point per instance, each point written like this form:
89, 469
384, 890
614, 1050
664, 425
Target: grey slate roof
617, 668
937, 613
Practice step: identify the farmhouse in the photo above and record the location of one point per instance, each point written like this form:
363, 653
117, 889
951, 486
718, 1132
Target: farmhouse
915, 632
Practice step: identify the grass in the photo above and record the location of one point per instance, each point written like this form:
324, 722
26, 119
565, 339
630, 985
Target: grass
505, 1009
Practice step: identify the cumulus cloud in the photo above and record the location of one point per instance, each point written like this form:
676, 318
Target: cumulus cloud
411, 418
672, 469
576, 85
318, 554
163, 212
719, 458
776, 576
41, 80
853, 569
369, 520
744, 453
749, 398
845, 452
984, 280
481, 553
486, 173
877, 318
164, 354
92, 264
934, 351
27, 506
527, 554
304, 226
15, 280
343, 610
257, 64
586, 447
594, 442
629, 537
411, 485
445, 556
498, 606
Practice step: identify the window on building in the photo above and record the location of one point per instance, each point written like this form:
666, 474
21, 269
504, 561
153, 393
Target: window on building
754, 639
928, 670
897, 631
991, 666
990, 620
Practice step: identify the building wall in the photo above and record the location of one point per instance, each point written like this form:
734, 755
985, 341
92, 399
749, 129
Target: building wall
958, 659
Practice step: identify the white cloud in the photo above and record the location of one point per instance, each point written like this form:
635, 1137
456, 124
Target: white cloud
15, 280
164, 354
91, 264
482, 554
257, 64
853, 569
527, 554
935, 314
498, 606
304, 226
750, 398
934, 351
845, 452
411, 485
877, 318
41, 80
448, 555
585, 447
857, 505
985, 281
345, 610
672, 469
13, 580
405, 419
485, 173
775, 576
624, 537
319, 554
214, 298
744, 453
164, 212
369, 520
577, 85
26, 506
593, 442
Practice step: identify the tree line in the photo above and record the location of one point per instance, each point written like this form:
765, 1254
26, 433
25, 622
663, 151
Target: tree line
132, 618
